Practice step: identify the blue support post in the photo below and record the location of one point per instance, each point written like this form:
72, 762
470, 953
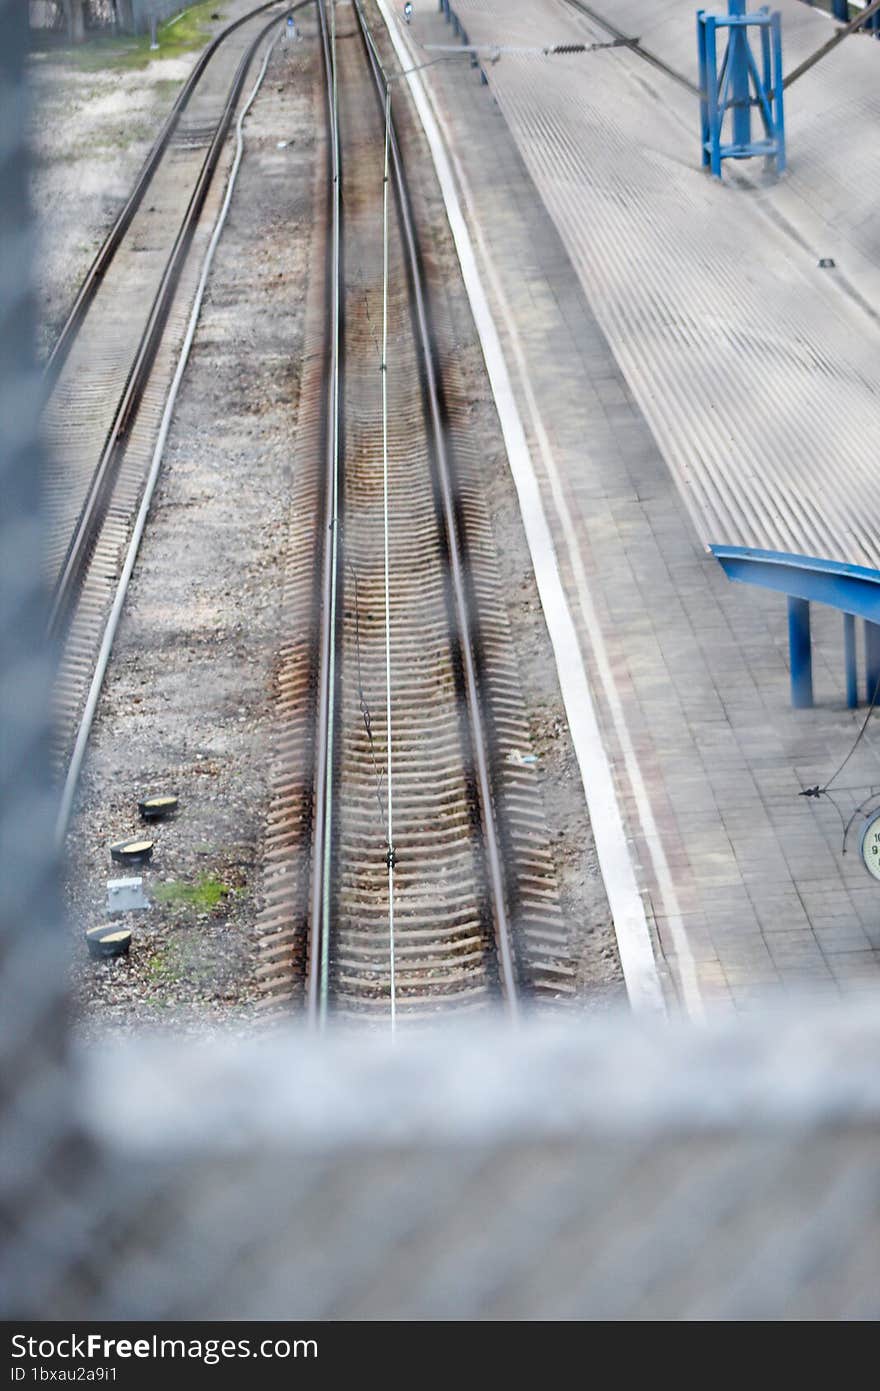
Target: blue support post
849, 660
739, 80
712, 86
766, 59
800, 651
778, 104
872, 661
738, 63
840, 9
704, 87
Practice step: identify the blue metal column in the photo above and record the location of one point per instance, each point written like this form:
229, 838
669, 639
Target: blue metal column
704, 88
800, 653
849, 660
715, 115
778, 105
872, 660
740, 91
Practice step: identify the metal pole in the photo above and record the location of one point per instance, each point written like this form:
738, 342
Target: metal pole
778, 91
712, 90
872, 661
704, 92
739, 76
849, 660
800, 652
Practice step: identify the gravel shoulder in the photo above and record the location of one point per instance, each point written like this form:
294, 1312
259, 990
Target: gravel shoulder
188, 702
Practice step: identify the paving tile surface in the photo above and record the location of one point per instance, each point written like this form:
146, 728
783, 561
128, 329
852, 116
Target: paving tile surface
731, 859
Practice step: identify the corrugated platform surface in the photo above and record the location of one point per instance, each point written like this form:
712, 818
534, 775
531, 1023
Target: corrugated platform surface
686, 374
756, 369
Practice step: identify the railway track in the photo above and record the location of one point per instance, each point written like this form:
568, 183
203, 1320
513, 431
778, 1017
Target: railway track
408, 870
110, 370
405, 875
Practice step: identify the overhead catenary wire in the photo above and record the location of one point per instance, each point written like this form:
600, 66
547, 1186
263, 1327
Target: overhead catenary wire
496, 50
838, 37
386, 542
635, 45
78, 755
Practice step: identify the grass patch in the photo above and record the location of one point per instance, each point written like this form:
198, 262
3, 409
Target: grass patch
125, 51
205, 893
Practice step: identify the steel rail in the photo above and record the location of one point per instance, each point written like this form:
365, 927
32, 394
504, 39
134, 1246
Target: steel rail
317, 970
100, 265
94, 507
461, 606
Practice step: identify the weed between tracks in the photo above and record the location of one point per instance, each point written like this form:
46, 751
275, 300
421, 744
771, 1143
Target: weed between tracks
206, 893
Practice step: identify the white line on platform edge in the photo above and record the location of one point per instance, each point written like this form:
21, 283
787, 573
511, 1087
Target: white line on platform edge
627, 909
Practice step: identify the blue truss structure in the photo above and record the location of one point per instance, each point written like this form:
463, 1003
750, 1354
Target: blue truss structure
746, 79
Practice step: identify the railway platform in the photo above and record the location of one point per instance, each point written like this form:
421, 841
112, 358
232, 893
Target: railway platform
693, 387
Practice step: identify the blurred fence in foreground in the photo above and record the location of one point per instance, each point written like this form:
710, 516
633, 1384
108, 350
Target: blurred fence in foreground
598, 1171
561, 1170
74, 19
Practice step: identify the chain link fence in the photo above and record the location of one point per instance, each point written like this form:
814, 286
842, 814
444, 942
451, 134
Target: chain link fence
561, 1171
568, 1169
